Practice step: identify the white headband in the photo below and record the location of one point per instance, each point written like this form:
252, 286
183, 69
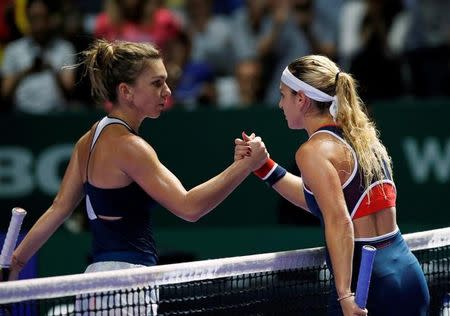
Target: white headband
297, 85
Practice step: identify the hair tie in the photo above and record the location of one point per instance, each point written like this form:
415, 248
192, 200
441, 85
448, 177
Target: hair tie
337, 76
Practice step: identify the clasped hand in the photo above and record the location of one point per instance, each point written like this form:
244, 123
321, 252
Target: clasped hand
251, 148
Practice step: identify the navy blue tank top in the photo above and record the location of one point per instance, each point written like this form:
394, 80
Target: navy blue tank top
359, 204
130, 238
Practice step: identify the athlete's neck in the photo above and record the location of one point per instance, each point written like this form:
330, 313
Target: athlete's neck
312, 126
130, 120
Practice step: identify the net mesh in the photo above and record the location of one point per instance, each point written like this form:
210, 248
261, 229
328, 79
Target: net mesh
283, 283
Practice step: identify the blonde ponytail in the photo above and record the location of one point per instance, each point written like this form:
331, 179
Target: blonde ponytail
323, 74
360, 132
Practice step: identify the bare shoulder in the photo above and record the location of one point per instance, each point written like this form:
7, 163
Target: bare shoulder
83, 140
133, 144
131, 152
307, 151
319, 149
83, 143
137, 157
321, 145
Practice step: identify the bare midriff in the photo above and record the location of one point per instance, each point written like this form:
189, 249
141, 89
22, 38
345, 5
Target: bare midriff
375, 224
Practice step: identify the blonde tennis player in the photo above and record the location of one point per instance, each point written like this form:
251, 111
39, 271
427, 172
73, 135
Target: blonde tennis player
346, 181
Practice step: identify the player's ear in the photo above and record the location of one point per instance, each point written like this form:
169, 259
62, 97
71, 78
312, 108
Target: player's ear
302, 96
303, 101
125, 91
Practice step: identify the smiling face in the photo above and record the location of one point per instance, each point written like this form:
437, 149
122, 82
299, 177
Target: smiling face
291, 104
150, 91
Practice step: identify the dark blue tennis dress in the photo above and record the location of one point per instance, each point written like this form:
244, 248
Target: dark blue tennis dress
398, 285
129, 239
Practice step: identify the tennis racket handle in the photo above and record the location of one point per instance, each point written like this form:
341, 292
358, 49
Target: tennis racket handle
365, 272
11, 236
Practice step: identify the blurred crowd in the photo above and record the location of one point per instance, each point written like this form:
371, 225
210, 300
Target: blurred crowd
224, 54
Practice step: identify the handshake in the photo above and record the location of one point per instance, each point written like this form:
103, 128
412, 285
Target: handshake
251, 149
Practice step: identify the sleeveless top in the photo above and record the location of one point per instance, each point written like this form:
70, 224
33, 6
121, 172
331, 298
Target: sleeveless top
130, 238
359, 202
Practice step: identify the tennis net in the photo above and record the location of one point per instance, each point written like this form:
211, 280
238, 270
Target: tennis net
281, 283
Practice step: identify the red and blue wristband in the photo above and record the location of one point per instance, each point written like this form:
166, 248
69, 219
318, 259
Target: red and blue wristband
270, 172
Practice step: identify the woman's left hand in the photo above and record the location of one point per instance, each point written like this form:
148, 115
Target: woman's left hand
350, 308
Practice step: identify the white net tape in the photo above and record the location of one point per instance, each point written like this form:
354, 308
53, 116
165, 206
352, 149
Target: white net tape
61, 286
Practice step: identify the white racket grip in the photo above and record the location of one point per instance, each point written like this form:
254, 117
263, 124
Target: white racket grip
11, 236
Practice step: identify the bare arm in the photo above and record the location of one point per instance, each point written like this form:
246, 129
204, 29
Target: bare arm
290, 186
324, 182
68, 197
143, 166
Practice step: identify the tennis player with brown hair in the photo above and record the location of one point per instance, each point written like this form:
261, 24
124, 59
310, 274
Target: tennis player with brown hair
119, 173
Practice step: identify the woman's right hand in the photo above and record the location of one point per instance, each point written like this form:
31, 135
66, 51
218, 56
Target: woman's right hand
253, 150
241, 148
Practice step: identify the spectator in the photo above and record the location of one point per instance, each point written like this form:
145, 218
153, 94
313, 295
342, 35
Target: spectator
242, 90
71, 25
33, 80
267, 31
427, 48
211, 35
192, 81
318, 21
281, 42
369, 58
249, 20
137, 21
